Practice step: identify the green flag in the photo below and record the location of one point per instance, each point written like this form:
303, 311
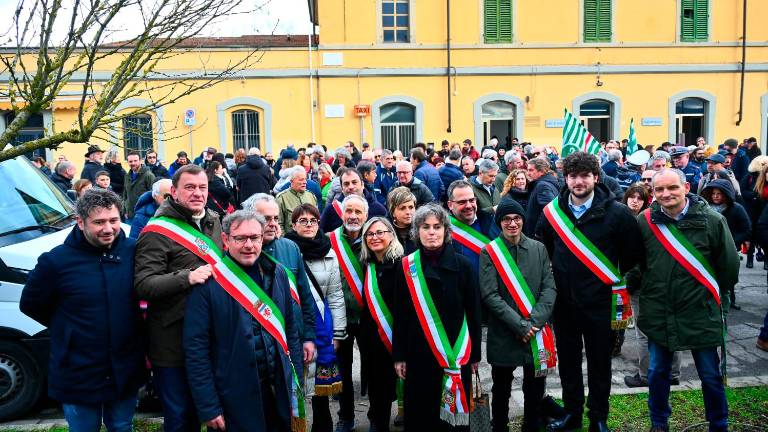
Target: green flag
576, 137
632, 140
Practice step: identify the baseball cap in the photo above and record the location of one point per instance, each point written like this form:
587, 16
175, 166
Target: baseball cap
716, 158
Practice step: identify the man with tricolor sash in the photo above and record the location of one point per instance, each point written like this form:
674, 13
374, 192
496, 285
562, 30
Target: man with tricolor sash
592, 241
165, 273
518, 289
351, 182
471, 229
689, 262
241, 341
346, 241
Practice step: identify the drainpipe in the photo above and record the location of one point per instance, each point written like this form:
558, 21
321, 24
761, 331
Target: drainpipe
311, 88
448, 69
743, 61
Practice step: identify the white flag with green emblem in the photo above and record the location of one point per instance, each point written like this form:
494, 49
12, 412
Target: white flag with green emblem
576, 137
632, 139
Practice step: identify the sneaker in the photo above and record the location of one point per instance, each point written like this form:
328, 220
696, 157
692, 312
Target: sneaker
675, 381
635, 381
762, 344
759, 256
345, 425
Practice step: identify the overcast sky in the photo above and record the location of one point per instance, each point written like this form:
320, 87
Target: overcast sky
276, 16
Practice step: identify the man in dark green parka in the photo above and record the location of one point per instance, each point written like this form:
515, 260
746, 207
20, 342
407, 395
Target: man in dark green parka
677, 312
509, 331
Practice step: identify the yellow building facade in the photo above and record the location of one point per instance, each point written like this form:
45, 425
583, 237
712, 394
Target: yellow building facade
510, 69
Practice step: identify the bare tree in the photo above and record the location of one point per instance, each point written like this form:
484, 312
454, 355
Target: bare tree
40, 65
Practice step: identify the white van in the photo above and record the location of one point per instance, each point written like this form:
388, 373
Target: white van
35, 216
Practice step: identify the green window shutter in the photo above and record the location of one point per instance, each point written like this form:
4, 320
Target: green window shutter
597, 20
694, 20
498, 21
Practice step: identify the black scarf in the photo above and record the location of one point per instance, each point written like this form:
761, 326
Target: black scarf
313, 248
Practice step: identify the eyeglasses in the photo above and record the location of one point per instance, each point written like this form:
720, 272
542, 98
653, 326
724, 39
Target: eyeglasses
509, 219
151, 157
647, 179
307, 222
374, 234
241, 240
403, 172
269, 219
466, 201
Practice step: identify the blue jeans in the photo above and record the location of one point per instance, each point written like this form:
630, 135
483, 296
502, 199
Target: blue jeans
117, 416
179, 414
708, 367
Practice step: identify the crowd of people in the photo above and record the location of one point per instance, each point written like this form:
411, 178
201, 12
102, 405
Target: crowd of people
261, 277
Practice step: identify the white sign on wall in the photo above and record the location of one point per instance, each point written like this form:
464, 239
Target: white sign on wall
334, 111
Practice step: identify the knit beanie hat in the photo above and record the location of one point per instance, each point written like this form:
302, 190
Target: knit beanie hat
508, 206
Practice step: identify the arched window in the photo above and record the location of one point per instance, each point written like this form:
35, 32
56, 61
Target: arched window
138, 134
597, 116
398, 126
246, 132
31, 131
690, 120
499, 121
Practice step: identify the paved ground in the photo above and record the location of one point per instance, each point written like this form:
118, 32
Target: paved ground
747, 365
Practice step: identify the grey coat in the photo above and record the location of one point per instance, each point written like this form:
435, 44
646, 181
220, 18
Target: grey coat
506, 324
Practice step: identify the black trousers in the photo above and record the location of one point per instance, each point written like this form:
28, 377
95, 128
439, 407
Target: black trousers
321, 415
344, 356
590, 330
533, 393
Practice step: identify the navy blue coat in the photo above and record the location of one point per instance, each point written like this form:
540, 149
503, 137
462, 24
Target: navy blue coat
145, 209
330, 220
449, 173
385, 178
427, 173
221, 354
85, 297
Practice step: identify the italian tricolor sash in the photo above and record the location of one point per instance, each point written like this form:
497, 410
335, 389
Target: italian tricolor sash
468, 236
581, 247
543, 344
454, 407
242, 288
291, 279
378, 308
337, 206
694, 262
350, 266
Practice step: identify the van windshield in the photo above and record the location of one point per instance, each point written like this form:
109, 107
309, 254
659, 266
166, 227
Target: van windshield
28, 198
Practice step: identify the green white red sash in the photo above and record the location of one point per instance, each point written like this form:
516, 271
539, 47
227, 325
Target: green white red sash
468, 236
378, 307
699, 268
241, 287
292, 283
543, 344
454, 407
337, 206
589, 255
350, 266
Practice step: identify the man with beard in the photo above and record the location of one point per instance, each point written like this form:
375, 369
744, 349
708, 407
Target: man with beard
472, 229
351, 184
347, 242
592, 241
698, 159
285, 252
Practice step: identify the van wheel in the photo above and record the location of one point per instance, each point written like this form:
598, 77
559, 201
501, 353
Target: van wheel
21, 381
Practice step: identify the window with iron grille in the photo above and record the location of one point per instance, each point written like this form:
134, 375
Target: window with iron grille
597, 20
138, 134
395, 20
497, 16
245, 129
694, 20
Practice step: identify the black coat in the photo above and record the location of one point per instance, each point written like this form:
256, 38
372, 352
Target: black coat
219, 196
61, 182
419, 189
612, 228
116, 176
221, 355
761, 229
738, 220
452, 283
254, 176
85, 297
543, 190
90, 169
158, 170
330, 220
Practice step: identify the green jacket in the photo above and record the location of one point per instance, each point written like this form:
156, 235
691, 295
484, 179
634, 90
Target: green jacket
485, 201
133, 189
288, 200
505, 323
676, 311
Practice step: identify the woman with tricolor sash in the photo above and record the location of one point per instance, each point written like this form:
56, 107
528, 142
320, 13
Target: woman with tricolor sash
518, 289
380, 255
323, 377
436, 333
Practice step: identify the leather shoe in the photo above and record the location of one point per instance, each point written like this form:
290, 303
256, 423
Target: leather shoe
635, 381
762, 344
598, 426
569, 422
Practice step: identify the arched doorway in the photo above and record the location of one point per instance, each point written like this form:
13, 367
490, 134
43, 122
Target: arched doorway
398, 126
499, 121
597, 117
690, 120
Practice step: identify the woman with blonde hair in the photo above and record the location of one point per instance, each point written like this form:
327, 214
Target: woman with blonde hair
516, 187
380, 256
